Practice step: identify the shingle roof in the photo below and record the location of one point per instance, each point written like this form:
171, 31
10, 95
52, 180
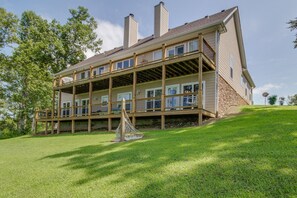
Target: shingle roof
204, 22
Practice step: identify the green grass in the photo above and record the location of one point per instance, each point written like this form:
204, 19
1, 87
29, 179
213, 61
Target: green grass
250, 155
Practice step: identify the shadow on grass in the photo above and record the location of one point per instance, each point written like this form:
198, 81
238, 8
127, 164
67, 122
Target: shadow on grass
238, 156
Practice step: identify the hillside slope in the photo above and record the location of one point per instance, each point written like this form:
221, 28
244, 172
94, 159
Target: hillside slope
253, 154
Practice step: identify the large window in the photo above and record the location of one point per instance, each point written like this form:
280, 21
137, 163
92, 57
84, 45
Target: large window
124, 64
154, 101
192, 90
85, 106
157, 55
104, 101
176, 50
66, 109
172, 101
126, 96
193, 45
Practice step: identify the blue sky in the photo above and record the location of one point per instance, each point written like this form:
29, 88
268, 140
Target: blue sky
271, 59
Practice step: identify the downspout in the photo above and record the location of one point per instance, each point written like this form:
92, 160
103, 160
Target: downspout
217, 37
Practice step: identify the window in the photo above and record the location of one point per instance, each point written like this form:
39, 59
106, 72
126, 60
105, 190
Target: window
241, 80
101, 70
95, 72
82, 75
157, 55
66, 109
245, 91
179, 50
85, 106
170, 53
124, 64
193, 45
104, 101
231, 72
126, 96
191, 99
153, 104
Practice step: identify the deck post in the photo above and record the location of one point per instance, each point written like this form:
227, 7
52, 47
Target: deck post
36, 120
59, 111
53, 110
134, 98
200, 65
90, 106
110, 103
123, 123
163, 88
73, 103
46, 127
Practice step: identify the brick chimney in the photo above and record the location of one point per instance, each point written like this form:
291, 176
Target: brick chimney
130, 31
161, 20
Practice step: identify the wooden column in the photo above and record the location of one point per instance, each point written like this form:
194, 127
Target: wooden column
134, 98
200, 65
59, 111
123, 124
90, 106
110, 104
53, 111
163, 88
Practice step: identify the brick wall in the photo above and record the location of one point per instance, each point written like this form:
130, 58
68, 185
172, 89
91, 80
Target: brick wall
228, 97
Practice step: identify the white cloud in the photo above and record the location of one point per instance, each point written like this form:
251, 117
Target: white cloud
111, 34
267, 87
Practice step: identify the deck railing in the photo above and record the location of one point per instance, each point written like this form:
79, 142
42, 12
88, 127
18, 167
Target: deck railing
140, 60
175, 102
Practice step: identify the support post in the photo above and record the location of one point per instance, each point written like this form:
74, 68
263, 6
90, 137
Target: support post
59, 111
200, 65
134, 98
163, 88
53, 111
90, 106
46, 127
36, 120
123, 124
73, 105
110, 104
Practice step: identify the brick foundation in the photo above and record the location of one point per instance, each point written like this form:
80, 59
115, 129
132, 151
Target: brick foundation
228, 97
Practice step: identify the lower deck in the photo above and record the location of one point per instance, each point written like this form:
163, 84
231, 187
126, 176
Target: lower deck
155, 120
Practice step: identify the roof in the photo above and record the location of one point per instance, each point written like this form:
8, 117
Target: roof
205, 22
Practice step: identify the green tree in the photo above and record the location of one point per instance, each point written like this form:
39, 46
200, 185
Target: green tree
272, 99
292, 100
281, 100
41, 48
292, 27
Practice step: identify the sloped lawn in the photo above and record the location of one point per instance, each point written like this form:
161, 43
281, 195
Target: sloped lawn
253, 154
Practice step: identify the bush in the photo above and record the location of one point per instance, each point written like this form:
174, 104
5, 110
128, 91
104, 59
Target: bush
272, 99
292, 100
8, 128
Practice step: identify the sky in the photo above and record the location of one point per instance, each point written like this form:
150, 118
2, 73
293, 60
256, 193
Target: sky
270, 54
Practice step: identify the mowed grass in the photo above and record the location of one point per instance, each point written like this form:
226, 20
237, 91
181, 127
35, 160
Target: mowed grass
253, 154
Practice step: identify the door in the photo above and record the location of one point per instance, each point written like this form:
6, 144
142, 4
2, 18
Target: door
85, 106
173, 101
76, 107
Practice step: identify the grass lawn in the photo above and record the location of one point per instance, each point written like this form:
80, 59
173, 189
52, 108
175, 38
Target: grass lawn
250, 155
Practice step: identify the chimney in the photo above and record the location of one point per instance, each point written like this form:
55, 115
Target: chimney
161, 19
130, 31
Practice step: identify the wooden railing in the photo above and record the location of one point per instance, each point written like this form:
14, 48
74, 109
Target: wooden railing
207, 50
176, 102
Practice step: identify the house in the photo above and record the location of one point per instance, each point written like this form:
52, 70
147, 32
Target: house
195, 71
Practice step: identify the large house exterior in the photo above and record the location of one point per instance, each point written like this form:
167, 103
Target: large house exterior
159, 76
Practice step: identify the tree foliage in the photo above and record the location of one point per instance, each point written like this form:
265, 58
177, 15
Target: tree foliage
281, 100
292, 100
39, 49
292, 27
272, 99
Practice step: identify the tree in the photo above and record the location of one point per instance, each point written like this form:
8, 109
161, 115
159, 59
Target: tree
281, 100
272, 99
292, 100
265, 94
41, 48
293, 26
